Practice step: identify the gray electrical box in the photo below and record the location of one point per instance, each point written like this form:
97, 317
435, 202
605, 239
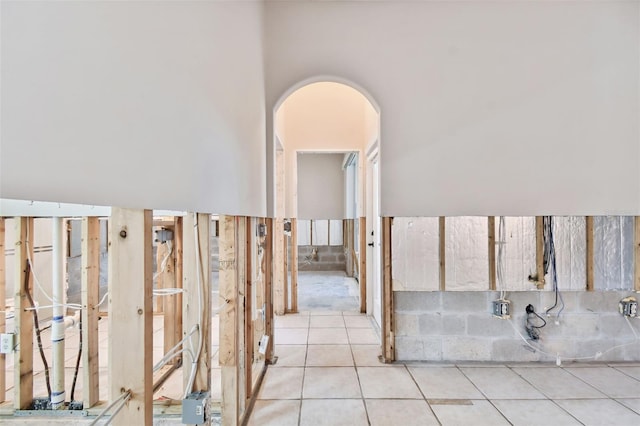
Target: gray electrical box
195, 408
502, 308
7, 342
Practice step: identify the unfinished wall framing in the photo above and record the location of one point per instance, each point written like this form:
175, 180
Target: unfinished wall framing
457, 324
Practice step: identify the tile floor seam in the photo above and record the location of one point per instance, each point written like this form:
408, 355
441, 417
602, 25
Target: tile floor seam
485, 395
625, 373
587, 383
422, 393
553, 401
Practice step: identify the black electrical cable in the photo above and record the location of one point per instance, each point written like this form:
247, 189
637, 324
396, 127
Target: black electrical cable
532, 329
75, 375
36, 324
550, 260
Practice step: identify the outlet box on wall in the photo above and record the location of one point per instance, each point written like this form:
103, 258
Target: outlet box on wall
7, 343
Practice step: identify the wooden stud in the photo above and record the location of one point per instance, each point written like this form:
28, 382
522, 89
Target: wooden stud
173, 311
228, 355
491, 222
388, 339
441, 252
131, 314
196, 300
90, 310
158, 301
241, 264
294, 265
540, 252
590, 253
363, 265
3, 307
23, 283
248, 307
268, 290
636, 240
279, 272
285, 259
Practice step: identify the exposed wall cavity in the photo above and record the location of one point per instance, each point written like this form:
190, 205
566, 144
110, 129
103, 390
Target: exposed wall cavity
458, 325
613, 246
415, 253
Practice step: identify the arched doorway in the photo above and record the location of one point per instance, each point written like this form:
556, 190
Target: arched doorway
317, 119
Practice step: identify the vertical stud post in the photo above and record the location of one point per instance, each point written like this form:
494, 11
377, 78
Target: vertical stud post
23, 285
131, 314
388, 338
90, 311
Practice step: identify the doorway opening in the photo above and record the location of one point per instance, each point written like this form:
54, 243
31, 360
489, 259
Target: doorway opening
324, 129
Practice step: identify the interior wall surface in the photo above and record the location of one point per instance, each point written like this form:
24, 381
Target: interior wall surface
320, 186
150, 104
490, 106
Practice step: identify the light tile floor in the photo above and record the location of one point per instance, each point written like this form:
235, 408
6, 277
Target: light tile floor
328, 373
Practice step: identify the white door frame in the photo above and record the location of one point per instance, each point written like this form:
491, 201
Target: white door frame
374, 267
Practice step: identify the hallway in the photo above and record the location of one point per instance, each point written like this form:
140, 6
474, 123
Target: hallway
328, 373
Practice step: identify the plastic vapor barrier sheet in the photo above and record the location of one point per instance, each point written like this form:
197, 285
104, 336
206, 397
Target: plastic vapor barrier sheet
613, 247
570, 241
414, 254
467, 257
518, 251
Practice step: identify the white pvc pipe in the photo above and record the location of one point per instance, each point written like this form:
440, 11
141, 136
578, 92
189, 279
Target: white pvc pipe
58, 325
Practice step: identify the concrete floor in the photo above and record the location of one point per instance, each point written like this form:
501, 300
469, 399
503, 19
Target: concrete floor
330, 291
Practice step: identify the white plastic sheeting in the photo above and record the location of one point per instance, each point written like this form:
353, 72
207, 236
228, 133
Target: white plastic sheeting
570, 241
319, 232
613, 248
304, 232
466, 253
415, 257
414, 254
335, 232
519, 251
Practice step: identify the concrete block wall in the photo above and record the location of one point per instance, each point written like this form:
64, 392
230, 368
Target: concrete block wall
458, 326
330, 258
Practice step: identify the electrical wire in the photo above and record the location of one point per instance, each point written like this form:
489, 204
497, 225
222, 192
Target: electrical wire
173, 352
36, 324
550, 263
120, 402
199, 274
530, 327
75, 374
502, 241
597, 355
42, 290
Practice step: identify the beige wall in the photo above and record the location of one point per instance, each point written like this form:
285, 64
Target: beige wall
489, 107
154, 104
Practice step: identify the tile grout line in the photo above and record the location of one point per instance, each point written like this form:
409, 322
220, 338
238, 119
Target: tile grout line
543, 393
483, 394
355, 367
304, 370
423, 395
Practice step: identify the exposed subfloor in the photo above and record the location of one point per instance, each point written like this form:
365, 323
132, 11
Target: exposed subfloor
328, 373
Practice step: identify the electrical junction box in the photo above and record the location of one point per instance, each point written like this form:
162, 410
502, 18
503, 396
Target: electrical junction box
502, 308
262, 345
163, 235
628, 307
7, 343
195, 408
